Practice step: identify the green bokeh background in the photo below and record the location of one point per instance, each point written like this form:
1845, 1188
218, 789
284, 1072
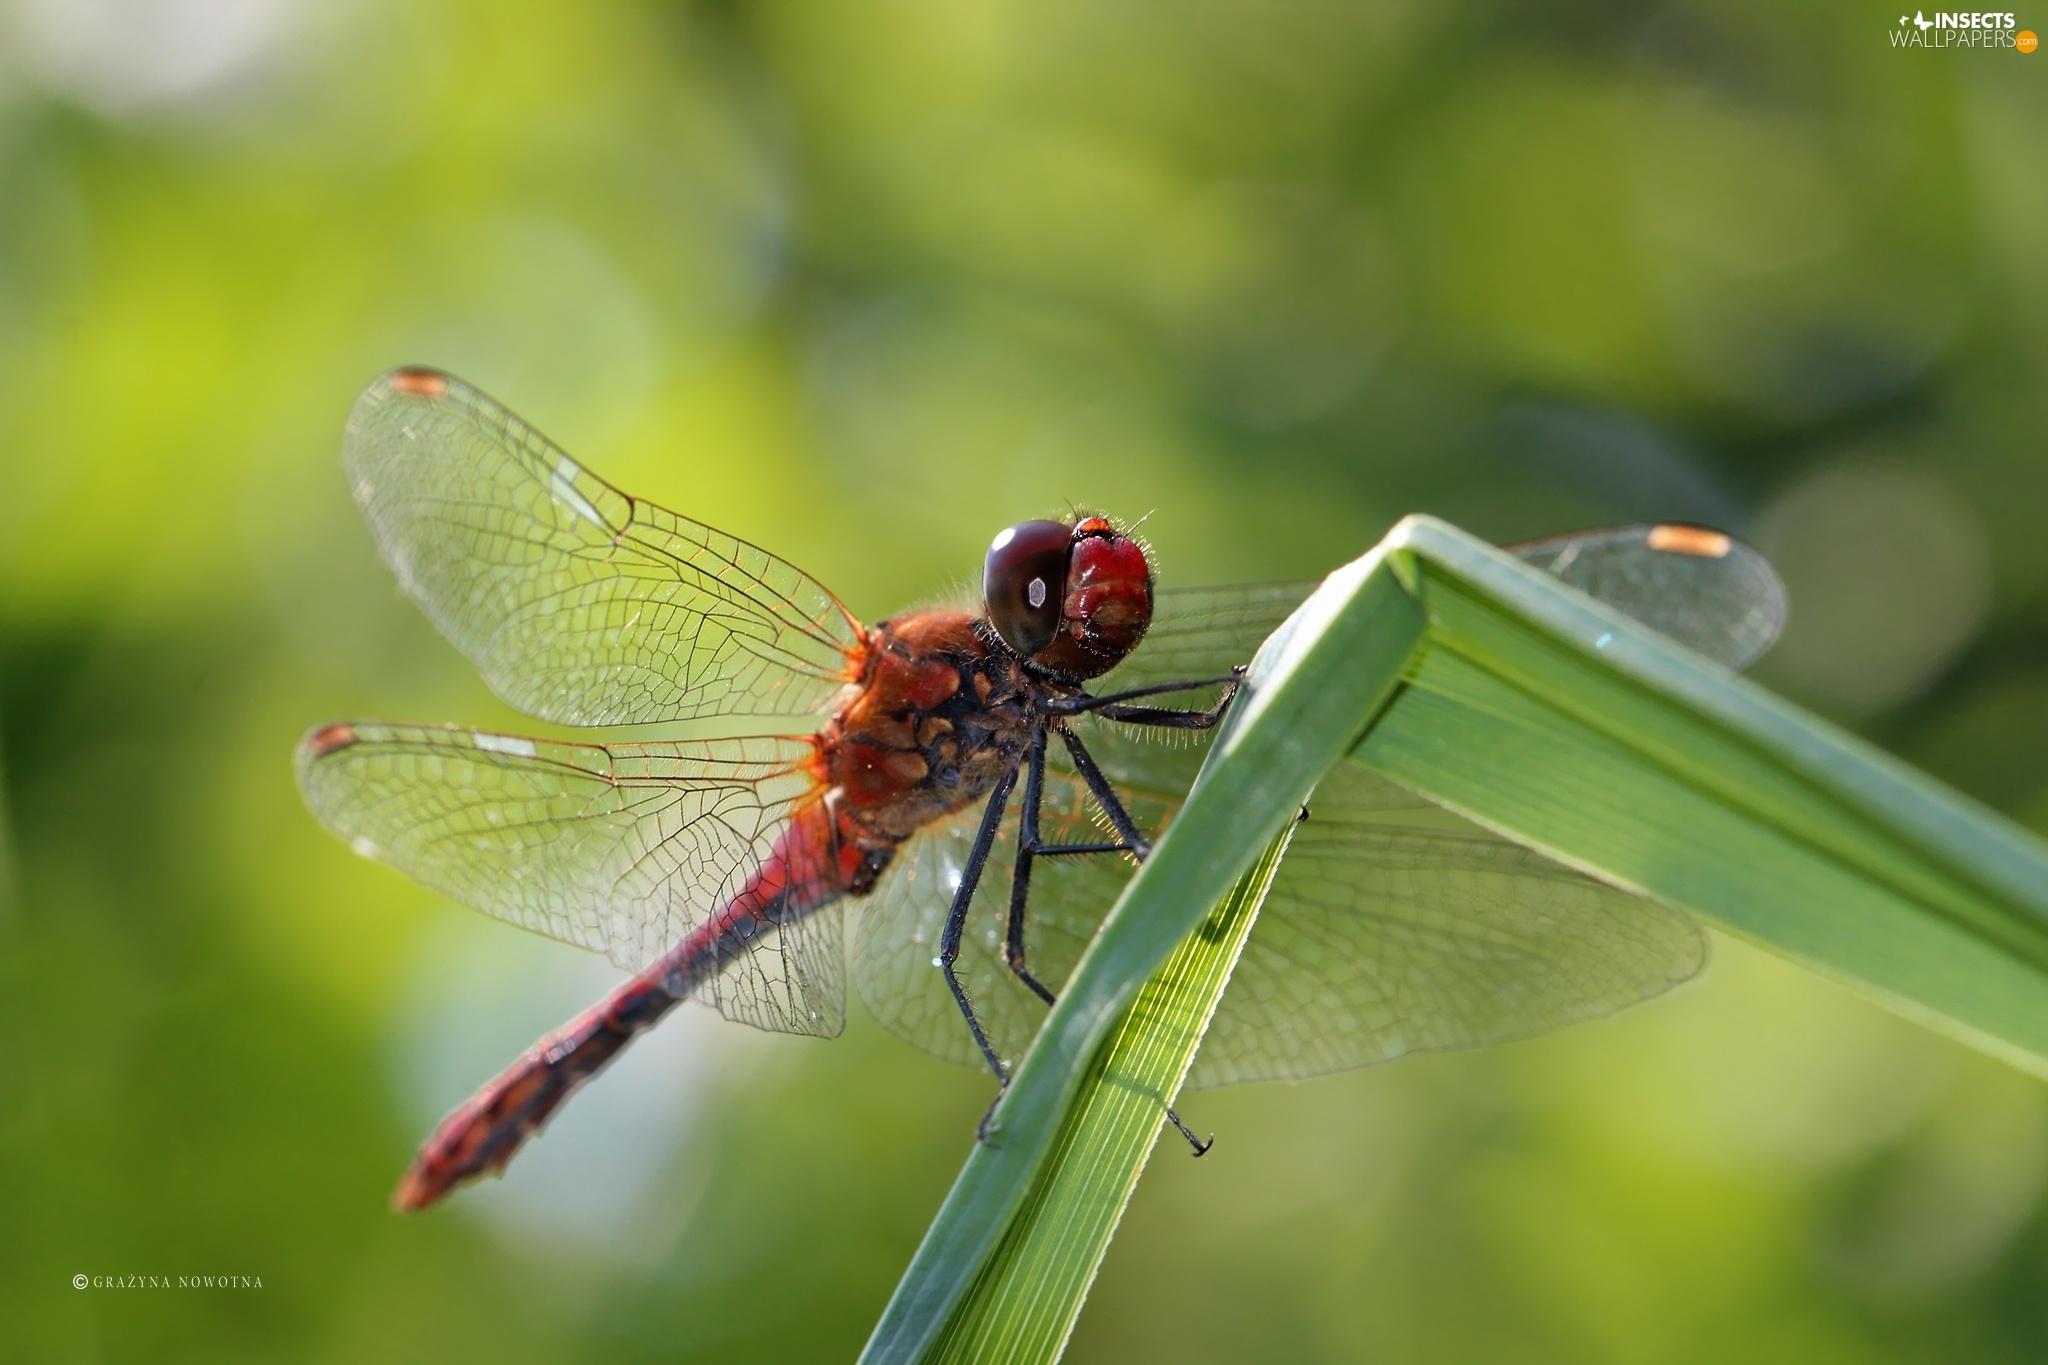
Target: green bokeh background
865, 283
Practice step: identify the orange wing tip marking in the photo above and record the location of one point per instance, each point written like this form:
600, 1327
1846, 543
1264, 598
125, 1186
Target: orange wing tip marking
329, 739
1691, 540
415, 382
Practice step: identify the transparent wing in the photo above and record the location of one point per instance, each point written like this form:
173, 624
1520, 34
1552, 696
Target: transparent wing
579, 604
1392, 927
621, 848
897, 944
1395, 927
1704, 589
1206, 632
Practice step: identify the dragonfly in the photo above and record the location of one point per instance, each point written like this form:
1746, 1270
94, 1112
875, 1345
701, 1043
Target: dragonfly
1019, 753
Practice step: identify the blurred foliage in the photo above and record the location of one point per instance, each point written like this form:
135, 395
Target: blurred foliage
864, 283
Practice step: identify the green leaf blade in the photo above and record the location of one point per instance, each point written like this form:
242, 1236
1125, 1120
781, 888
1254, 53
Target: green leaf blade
1650, 768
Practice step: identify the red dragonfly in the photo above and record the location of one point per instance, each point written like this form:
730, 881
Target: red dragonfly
701, 865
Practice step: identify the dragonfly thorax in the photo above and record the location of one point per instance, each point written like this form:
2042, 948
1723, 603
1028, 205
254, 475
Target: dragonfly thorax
937, 716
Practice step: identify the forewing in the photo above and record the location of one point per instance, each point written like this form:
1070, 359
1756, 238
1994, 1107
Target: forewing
1205, 632
1197, 635
579, 604
622, 848
1394, 927
1706, 590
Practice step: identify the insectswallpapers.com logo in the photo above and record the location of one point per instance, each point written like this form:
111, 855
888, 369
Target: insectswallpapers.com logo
1963, 30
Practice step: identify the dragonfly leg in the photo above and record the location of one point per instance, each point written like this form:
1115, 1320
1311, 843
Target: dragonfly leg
1201, 1146
1020, 881
1112, 706
1163, 718
1134, 843
988, 1115
956, 919
1084, 702
1029, 847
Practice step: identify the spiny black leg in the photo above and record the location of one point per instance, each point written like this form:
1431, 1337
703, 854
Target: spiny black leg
1052, 850
1105, 796
1084, 702
1163, 718
956, 919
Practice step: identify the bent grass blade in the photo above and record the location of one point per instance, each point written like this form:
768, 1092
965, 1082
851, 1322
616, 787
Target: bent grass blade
1544, 716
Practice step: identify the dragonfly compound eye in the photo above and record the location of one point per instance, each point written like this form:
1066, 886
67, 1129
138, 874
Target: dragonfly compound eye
1108, 606
1024, 583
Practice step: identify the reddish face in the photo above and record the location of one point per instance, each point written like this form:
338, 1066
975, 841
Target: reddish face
1073, 600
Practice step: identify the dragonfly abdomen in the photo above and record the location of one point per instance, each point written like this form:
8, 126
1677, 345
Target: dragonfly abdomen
809, 867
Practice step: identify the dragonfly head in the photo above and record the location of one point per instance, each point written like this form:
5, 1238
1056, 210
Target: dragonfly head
1070, 599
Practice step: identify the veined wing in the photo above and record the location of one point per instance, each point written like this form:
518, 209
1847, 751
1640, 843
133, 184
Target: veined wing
1207, 631
622, 848
579, 604
1706, 590
1703, 588
1394, 927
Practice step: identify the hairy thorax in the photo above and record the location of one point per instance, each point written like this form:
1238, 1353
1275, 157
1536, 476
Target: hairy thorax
935, 718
